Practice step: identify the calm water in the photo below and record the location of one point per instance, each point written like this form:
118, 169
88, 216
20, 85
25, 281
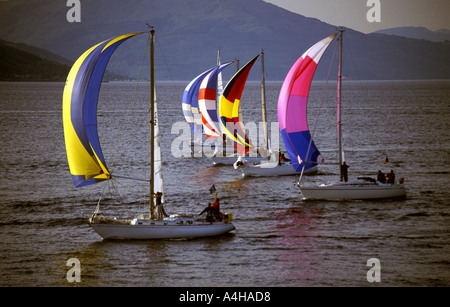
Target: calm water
280, 239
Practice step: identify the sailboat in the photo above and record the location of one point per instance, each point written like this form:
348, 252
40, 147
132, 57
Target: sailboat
207, 101
190, 108
292, 102
274, 165
200, 110
229, 110
199, 102
87, 164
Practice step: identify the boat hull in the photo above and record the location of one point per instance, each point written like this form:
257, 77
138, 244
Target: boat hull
231, 160
272, 169
354, 191
160, 230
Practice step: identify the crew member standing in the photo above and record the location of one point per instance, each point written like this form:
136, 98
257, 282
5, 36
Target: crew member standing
344, 172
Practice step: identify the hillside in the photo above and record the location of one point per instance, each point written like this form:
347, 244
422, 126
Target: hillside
418, 33
188, 34
22, 62
20, 65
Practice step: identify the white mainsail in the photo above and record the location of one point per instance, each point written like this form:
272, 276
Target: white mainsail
158, 184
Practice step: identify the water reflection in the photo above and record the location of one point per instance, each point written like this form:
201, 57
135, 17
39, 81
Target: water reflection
298, 237
148, 263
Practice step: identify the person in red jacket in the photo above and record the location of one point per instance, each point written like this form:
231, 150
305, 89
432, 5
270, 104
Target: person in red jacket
216, 206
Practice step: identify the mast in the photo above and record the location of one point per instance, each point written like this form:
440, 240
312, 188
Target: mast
339, 135
219, 91
218, 57
152, 122
263, 100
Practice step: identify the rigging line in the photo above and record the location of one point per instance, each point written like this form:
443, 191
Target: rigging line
318, 111
165, 61
360, 83
131, 105
114, 190
130, 178
349, 52
97, 209
126, 187
116, 195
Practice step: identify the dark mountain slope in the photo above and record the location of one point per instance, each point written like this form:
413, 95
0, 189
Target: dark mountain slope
20, 65
189, 33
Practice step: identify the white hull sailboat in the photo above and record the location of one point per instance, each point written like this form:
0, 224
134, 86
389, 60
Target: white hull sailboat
174, 227
264, 164
354, 190
87, 164
267, 169
272, 169
231, 160
200, 112
343, 190
199, 103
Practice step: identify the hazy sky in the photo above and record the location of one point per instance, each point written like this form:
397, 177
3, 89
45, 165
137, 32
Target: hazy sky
432, 14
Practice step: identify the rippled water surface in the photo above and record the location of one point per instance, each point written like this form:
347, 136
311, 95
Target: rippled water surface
280, 240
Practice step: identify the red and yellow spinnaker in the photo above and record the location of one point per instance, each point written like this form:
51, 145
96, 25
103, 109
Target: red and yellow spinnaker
229, 109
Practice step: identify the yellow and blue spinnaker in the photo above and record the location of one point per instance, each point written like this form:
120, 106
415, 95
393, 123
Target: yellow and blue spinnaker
86, 162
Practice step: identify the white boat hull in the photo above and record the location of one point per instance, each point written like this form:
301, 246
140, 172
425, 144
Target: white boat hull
272, 169
167, 229
210, 149
354, 191
231, 160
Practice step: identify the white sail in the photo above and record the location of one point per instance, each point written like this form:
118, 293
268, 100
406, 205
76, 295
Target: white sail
219, 79
158, 185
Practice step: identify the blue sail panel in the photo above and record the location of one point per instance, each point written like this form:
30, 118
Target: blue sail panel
304, 147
